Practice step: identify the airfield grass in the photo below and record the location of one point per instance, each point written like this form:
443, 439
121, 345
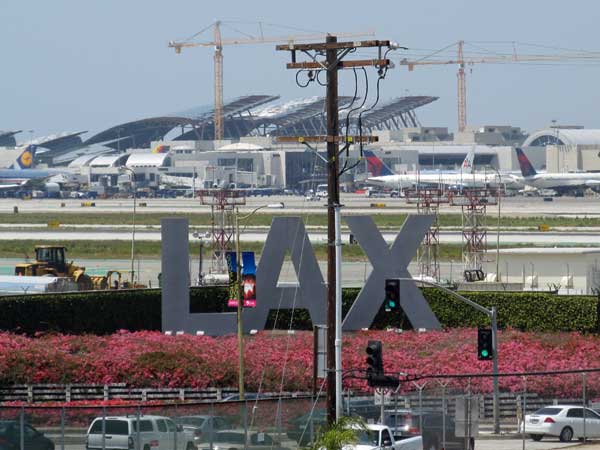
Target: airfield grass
264, 219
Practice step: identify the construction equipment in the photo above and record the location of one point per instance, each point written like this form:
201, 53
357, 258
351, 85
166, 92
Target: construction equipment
494, 58
248, 39
50, 260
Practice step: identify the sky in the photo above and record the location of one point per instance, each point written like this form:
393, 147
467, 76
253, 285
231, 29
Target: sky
72, 65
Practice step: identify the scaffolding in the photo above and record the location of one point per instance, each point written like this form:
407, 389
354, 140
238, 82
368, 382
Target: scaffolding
474, 203
222, 204
428, 202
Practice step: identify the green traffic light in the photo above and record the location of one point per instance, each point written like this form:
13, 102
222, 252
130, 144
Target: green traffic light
484, 353
392, 304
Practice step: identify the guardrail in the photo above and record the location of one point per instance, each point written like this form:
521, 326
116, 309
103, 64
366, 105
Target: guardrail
35, 393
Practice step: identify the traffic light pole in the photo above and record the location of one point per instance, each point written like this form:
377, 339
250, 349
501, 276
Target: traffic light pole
493, 315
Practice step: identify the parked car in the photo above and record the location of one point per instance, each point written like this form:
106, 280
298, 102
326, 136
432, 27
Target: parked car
155, 433
562, 421
406, 422
236, 440
201, 426
10, 437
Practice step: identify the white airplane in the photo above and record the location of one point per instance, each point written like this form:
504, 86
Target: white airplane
466, 177
562, 183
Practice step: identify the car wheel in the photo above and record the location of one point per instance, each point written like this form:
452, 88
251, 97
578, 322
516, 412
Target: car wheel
472, 444
536, 437
566, 434
190, 446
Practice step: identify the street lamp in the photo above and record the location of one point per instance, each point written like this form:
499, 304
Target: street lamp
239, 293
133, 188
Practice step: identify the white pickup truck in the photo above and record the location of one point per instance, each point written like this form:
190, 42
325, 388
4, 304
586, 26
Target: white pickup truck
379, 437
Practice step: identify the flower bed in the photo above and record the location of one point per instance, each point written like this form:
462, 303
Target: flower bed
284, 362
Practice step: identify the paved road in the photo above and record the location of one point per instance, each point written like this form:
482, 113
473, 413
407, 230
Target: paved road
480, 444
513, 206
517, 444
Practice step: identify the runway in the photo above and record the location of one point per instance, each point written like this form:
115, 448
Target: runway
316, 237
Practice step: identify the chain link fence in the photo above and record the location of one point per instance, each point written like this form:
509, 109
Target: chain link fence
448, 412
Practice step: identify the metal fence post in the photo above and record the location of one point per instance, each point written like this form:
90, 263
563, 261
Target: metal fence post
210, 426
104, 428
524, 410
444, 385
22, 428
583, 376
137, 432
62, 428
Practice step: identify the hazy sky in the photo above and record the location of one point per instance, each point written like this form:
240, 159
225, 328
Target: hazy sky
87, 65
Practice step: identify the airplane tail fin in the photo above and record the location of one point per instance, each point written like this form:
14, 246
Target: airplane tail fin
467, 165
375, 165
26, 158
527, 169
161, 148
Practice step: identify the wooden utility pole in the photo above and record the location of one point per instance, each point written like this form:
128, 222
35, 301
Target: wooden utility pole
334, 53
333, 199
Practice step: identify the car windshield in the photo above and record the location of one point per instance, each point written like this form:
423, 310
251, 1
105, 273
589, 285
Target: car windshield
194, 421
367, 437
548, 411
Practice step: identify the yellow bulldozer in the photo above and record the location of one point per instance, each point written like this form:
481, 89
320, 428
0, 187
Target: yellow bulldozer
50, 261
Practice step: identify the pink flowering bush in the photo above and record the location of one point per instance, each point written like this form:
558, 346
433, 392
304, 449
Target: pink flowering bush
277, 362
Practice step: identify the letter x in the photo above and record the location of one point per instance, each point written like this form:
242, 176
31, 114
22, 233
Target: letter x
390, 263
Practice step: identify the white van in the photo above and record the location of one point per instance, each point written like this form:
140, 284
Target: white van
121, 433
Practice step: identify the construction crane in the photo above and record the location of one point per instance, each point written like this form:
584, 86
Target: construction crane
218, 42
462, 61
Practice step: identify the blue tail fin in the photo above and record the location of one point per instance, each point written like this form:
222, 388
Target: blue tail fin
375, 165
26, 158
527, 169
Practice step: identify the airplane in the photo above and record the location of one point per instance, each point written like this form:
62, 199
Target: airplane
22, 171
562, 183
466, 177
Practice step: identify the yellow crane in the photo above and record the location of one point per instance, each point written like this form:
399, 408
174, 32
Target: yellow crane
462, 61
218, 42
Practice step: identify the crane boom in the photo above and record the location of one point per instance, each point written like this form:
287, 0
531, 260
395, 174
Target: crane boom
462, 61
218, 44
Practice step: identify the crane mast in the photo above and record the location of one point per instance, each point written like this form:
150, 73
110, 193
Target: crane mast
462, 61
218, 61
462, 89
218, 43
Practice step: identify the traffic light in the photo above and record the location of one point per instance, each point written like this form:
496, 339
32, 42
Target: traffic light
376, 376
485, 350
392, 295
374, 358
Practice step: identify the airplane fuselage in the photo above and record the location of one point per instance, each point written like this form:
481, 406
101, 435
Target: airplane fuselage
563, 180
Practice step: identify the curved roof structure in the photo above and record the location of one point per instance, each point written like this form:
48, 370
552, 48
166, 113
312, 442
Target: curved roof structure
563, 136
148, 160
139, 133
240, 146
108, 161
7, 138
82, 161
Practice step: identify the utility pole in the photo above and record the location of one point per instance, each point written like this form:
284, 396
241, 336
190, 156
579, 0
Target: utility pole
333, 201
334, 53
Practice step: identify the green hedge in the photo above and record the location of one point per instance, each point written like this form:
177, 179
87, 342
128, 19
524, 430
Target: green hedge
108, 311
